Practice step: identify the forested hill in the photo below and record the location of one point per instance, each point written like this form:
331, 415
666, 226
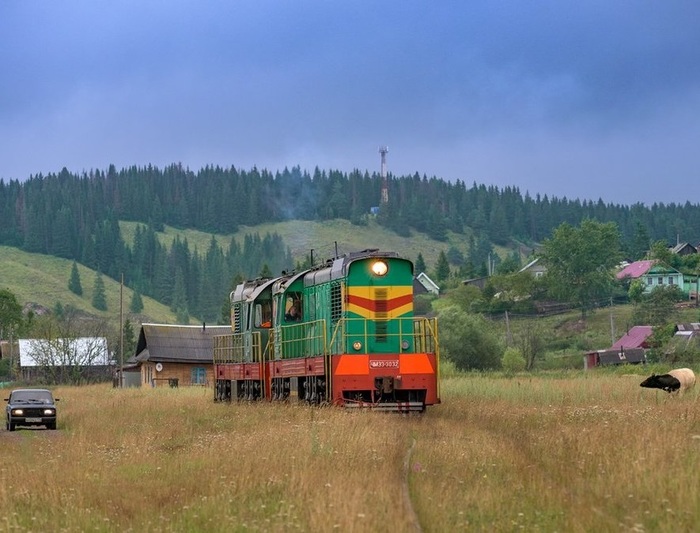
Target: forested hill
46, 213
76, 217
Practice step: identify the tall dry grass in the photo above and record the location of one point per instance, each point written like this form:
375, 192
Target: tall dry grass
533, 453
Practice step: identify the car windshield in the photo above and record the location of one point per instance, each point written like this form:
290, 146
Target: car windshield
30, 396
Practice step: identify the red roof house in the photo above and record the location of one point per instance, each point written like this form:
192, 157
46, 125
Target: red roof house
636, 337
635, 270
630, 348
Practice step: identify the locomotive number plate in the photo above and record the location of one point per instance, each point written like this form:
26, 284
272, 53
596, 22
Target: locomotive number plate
393, 363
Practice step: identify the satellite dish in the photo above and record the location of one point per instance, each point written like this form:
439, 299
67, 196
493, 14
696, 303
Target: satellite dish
159, 367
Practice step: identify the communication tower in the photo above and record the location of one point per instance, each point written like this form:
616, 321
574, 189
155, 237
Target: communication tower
383, 150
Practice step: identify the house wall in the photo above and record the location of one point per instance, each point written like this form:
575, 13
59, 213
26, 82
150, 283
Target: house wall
663, 278
150, 377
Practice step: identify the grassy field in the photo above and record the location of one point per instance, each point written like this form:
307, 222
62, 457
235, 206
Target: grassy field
573, 452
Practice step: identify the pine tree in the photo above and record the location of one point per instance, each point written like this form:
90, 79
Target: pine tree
99, 299
129, 339
420, 264
74, 284
136, 305
265, 272
442, 269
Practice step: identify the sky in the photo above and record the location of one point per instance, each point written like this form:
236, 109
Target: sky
580, 100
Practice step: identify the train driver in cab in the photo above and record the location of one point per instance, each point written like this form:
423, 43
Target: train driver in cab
293, 314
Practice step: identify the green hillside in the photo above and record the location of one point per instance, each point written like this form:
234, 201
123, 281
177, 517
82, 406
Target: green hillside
43, 280
301, 236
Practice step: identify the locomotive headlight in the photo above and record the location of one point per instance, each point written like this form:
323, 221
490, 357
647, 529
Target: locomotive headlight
357, 346
404, 344
379, 268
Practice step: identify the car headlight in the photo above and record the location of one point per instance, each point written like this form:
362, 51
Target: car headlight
49, 412
18, 412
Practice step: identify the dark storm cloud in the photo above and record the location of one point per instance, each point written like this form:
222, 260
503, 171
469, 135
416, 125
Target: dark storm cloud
570, 99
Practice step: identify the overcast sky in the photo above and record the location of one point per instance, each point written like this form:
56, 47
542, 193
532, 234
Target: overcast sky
588, 100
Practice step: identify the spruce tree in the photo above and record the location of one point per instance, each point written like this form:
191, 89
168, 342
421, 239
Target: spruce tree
136, 305
129, 338
442, 269
420, 264
74, 284
99, 299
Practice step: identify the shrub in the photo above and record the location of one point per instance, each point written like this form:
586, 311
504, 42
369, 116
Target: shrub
468, 340
513, 361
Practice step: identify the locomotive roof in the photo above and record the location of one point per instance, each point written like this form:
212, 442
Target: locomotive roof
337, 268
283, 282
332, 269
250, 290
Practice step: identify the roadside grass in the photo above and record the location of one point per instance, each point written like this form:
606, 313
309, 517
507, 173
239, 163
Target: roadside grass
562, 451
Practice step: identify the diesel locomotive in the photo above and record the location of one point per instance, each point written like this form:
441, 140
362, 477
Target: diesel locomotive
342, 332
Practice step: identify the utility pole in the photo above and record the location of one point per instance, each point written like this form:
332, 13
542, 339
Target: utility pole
612, 324
121, 333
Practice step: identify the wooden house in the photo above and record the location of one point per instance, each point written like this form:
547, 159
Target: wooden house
684, 248
173, 355
427, 284
635, 270
660, 275
630, 348
535, 268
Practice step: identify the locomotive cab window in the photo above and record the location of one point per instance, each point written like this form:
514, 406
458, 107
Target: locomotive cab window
263, 314
293, 310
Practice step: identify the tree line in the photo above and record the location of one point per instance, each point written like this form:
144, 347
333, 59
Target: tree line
75, 216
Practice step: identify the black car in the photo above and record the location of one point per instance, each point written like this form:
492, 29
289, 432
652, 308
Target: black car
31, 407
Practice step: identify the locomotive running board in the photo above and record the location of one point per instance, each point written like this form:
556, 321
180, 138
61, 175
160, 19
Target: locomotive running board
394, 407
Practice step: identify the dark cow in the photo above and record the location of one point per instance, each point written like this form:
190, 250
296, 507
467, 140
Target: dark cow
676, 380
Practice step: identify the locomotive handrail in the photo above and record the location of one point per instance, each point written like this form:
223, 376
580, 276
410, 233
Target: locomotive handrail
231, 348
305, 339
422, 330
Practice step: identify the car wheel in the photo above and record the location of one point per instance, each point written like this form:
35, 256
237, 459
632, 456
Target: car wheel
51, 425
10, 426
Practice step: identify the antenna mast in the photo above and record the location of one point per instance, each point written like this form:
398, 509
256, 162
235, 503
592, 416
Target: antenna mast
383, 150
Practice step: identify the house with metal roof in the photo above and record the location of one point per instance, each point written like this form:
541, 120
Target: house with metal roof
173, 355
630, 348
535, 268
684, 248
427, 284
635, 270
64, 360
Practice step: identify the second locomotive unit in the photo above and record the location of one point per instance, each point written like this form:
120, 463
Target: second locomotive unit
341, 333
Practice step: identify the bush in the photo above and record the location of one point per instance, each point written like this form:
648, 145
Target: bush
468, 340
513, 361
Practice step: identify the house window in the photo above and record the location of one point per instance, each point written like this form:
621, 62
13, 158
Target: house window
661, 280
198, 376
670, 280
650, 281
